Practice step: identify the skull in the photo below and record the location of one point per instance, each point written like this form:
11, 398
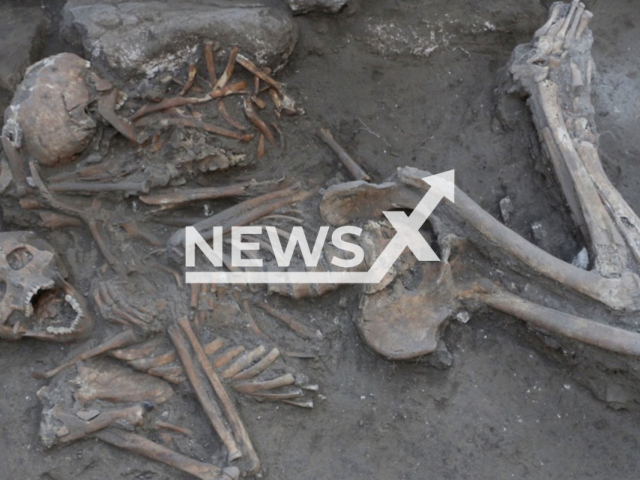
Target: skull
35, 300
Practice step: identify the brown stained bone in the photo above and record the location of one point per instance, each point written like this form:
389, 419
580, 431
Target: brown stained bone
191, 76
256, 369
181, 197
144, 364
617, 293
209, 47
571, 326
253, 117
79, 429
189, 123
229, 407
246, 212
118, 341
93, 187
142, 446
213, 346
134, 230
260, 152
243, 362
208, 404
280, 396
225, 357
290, 322
232, 89
102, 379
227, 118
300, 402
251, 67
88, 218
228, 71
258, 102
106, 108
159, 424
55, 220
137, 351
351, 165
253, 388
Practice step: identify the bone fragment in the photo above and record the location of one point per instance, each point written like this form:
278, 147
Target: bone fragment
106, 108
181, 197
251, 388
234, 88
136, 231
208, 48
279, 397
93, 187
142, 446
159, 424
587, 331
584, 21
290, 322
78, 428
137, 351
144, 364
246, 212
227, 118
571, 34
189, 123
230, 410
243, 362
227, 356
249, 65
118, 341
58, 220
260, 152
211, 409
228, 71
259, 367
303, 403
258, 102
191, 76
354, 169
253, 117
213, 346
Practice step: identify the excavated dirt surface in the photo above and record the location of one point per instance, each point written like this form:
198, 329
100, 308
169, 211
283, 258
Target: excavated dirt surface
409, 83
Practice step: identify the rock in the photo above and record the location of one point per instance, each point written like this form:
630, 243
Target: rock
48, 111
149, 37
22, 32
304, 6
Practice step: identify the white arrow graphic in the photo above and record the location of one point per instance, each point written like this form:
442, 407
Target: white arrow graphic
408, 235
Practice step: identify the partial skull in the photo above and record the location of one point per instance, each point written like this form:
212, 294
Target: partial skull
35, 300
49, 110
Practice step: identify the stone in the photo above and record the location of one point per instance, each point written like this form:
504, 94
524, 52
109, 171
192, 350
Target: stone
48, 111
22, 33
305, 6
150, 37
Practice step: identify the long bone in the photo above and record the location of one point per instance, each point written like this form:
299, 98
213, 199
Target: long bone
145, 447
228, 406
208, 404
339, 206
570, 137
387, 330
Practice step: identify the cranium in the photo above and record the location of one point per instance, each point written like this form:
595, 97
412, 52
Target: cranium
35, 300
